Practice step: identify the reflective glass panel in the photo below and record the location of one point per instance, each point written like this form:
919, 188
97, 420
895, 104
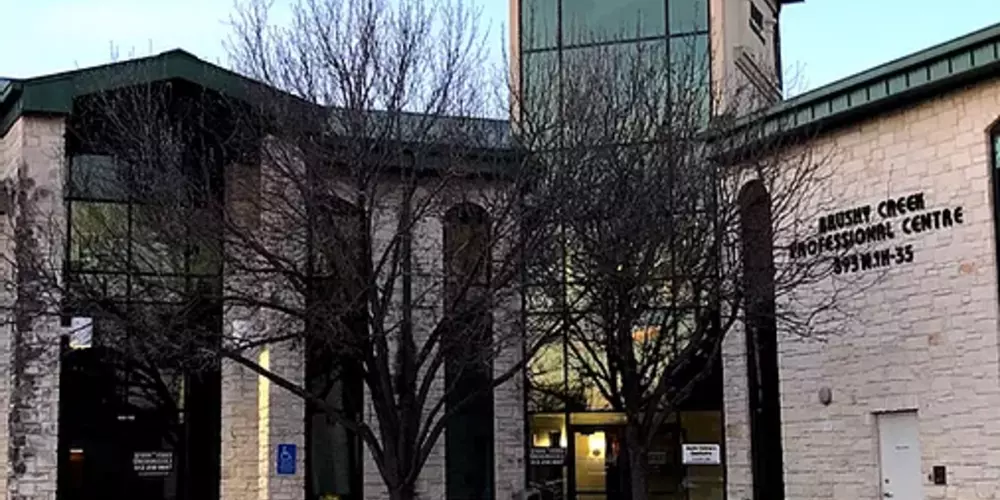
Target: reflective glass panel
538, 23
547, 454
690, 63
540, 97
704, 482
688, 15
592, 21
98, 236
547, 389
97, 177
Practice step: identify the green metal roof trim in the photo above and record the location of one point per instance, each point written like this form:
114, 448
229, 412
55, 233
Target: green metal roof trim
55, 93
966, 59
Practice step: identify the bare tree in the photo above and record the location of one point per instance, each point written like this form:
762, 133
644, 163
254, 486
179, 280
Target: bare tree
664, 244
343, 210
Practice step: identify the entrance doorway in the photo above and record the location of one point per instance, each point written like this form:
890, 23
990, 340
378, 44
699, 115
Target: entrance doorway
133, 429
600, 470
899, 456
601, 466
584, 456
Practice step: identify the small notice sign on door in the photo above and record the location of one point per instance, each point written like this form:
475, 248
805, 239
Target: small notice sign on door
153, 463
701, 454
548, 456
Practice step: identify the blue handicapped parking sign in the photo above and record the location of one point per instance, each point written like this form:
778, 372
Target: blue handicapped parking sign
286, 459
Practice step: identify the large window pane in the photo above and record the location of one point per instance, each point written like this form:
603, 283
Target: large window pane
469, 433
547, 391
618, 77
589, 373
538, 24
689, 66
705, 482
689, 58
590, 21
98, 236
688, 15
333, 450
204, 243
158, 242
548, 453
540, 94
97, 177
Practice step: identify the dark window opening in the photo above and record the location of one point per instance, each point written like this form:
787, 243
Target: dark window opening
762, 343
757, 22
336, 327
469, 440
995, 180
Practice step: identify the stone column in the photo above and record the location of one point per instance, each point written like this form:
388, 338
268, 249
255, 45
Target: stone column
32, 384
739, 476
281, 421
240, 413
508, 403
239, 432
280, 413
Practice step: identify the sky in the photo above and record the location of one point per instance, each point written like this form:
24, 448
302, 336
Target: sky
822, 40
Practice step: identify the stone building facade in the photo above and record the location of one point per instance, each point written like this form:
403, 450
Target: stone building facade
898, 400
257, 416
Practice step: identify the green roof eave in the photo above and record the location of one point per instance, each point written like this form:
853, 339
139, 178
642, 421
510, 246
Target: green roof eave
964, 60
54, 94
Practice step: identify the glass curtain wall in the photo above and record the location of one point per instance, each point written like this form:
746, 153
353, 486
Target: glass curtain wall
554, 31
575, 434
137, 419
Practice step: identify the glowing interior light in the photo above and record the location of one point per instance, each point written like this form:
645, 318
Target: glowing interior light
596, 442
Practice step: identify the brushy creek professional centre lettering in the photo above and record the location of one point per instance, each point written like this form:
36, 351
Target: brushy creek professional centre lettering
841, 232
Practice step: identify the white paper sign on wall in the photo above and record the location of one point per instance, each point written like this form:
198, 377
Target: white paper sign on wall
701, 454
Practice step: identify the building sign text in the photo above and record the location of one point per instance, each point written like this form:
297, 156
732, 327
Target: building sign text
841, 232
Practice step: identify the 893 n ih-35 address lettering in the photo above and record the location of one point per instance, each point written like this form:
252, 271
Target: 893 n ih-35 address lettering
864, 261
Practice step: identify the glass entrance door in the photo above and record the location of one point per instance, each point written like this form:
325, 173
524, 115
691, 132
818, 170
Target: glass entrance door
600, 471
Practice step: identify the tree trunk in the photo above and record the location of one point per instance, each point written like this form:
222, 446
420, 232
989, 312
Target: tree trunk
638, 464
405, 492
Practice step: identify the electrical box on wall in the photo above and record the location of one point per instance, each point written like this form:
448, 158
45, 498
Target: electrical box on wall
939, 475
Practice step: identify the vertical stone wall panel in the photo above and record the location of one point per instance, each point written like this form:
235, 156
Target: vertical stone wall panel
923, 337
39, 225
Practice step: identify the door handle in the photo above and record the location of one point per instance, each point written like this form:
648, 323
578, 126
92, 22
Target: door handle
887, 494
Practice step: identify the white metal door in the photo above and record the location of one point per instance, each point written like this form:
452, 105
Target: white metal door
899, 456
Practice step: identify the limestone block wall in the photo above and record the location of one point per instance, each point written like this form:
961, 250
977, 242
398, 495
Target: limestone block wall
736, 406
923, 336
281, 420
509, 420
10, 160
509, 474
257, 415
239, 432
32, 363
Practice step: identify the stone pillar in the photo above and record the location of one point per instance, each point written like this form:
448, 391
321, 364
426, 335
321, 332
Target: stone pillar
33, 390
240, 413
239, 432
280, 413
739, 476
281, 421
10, 162
508, 403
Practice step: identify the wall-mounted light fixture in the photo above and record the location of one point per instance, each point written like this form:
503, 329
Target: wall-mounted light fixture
825, 396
